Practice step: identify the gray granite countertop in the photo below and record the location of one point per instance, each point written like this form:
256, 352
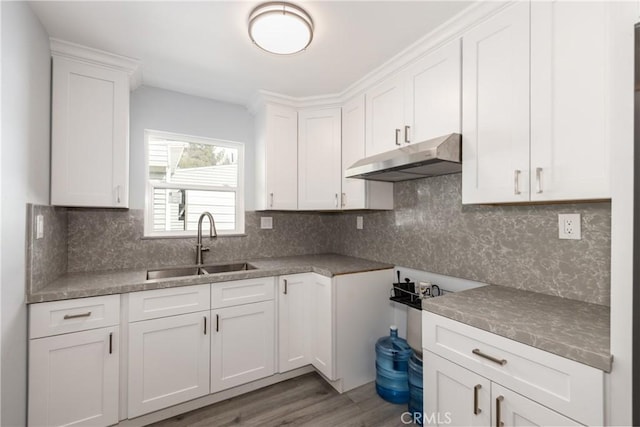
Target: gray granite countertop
572, 329
79, 285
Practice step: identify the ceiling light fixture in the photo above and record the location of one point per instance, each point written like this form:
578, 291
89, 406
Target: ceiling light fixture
280, 28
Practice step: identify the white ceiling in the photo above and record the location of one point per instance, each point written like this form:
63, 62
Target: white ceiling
202, 48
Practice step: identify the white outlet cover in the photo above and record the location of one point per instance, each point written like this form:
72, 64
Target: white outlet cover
569, 226
266, 223
359, 223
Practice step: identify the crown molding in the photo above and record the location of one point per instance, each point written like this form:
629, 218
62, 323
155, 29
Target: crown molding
77, 52
443, 34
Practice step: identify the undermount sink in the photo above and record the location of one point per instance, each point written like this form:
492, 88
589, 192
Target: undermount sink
164, 273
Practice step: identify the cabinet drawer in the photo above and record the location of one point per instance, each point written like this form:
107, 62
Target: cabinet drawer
564, 385
228, 294
61, 317
168, 302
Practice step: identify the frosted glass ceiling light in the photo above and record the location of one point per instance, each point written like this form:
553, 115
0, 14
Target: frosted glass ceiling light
281, 28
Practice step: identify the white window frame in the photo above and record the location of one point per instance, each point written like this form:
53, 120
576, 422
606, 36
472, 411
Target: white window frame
149, 185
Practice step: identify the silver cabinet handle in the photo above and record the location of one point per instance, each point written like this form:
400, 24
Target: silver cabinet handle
539, 180
476, 410
516, 182
344, 199
110, 342
75, 316
499, 400
406, 134
397, 136
205, 325
336, 200
477, 352
217, 323
271, 202
285, 286
118, 193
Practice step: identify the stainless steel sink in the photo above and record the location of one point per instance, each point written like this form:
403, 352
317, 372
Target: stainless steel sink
164, 273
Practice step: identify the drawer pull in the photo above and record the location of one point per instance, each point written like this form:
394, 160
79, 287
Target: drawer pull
217, 323
476, 410
75, 316
501, 362
110, 342
499, 400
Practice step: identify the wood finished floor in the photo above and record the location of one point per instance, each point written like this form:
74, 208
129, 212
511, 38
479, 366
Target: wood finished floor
304, 401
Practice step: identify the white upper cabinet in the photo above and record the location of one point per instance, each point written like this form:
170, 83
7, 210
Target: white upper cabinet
89, 135
432, 95
495, 125
359, 193
319, 164
385, 116
537, 112
570, 107
277, 158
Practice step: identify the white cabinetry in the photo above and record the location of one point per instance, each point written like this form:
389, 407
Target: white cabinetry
385, 116
277, 158
323, 326
243, 332
536, 108
526, 383
319, 164
294, 318
169, 349
359, 193
73, 377
90, 129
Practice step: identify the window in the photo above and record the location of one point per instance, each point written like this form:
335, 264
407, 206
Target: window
188, 175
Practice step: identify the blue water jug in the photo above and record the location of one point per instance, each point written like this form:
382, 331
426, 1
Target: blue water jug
392, 364
415, 387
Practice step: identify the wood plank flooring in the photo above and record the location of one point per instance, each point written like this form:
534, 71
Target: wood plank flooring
304, 401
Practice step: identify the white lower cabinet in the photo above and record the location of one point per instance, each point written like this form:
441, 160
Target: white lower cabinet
242, 344
322, 326
73, 379
294, 319
168, 361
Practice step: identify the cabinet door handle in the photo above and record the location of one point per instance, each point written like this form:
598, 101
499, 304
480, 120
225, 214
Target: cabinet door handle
336, 196
217, 323
516, 182
75, 316
344, 199
476, 410
397, 136
539, 180
118, 193
285, 286
406, 134
499, 400
500, 362
110, 342
271, 202
205, 325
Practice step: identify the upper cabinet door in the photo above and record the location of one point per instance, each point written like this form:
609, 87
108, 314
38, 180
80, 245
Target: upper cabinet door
319, 165
570, 110
353, 189
279, 151
90, 135
495, 125
385, 116
432, 97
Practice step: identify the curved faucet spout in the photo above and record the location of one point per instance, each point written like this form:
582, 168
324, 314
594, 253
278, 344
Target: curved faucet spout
212, 233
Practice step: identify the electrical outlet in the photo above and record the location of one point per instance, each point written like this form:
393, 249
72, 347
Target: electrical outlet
569, 226
39, 226
359, 223
266, 223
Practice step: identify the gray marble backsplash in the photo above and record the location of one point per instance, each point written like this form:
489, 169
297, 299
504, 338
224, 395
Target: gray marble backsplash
104, 239
46, 257
515, 246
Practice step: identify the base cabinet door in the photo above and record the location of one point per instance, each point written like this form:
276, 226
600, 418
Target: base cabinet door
73, 379
453, 395
294, 342
513, 409
168, 361
322, 326
242, 344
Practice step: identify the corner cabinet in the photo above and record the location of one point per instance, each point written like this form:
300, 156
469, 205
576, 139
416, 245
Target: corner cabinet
276, 158
89, 130
319, 165
531, 132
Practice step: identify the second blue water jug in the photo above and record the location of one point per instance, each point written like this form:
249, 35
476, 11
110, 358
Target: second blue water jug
392, 364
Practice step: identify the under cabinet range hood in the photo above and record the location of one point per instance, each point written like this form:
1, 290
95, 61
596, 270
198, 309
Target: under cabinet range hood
437, 156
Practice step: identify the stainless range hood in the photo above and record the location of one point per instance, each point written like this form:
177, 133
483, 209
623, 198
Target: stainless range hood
438, 156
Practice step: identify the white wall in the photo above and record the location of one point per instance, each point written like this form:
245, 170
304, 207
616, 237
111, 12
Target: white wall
164, 110
26, 69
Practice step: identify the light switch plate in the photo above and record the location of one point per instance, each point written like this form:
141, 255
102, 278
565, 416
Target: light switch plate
569, 226
266, 223
359, 223
39, 226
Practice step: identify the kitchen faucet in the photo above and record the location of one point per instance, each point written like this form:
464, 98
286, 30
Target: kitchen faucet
212, 233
